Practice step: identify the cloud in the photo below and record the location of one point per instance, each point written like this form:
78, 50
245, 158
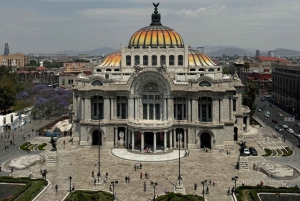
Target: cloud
212, 10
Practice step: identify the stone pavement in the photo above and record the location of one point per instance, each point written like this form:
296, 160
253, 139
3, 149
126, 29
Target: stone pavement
78, 162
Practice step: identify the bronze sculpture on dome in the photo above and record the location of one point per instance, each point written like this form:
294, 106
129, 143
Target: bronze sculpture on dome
155, 5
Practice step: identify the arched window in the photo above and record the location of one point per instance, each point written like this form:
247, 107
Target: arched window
171, 60
192, 69
154, 60
108, 70
98, 70
218, 69
97, 83
128, 60
162, 59
205, 84
180, 60
145, 60
201, 69
117, 69
136, 59
211, 70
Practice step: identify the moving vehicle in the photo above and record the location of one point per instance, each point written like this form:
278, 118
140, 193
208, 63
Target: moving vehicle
252, 151
274, 121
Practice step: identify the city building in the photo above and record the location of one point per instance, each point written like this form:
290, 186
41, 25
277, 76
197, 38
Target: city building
157, 92
6, 49
14, 61
286, 88
76, 67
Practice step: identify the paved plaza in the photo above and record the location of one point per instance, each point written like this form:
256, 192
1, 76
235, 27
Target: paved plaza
79, 162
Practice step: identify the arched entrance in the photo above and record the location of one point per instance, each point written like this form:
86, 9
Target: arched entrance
205, 140
96, 137
235, 137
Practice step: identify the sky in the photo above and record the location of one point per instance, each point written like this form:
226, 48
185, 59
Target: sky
49, 26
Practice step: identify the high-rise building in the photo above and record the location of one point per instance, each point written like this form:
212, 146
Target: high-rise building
6, 49
257, 54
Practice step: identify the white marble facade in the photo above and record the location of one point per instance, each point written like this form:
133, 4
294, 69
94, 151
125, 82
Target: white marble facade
146, 94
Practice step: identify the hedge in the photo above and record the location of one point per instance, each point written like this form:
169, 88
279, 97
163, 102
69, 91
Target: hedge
268, 152
41, 146
30, 190
289, 152
79, 195
24, 146
179, 197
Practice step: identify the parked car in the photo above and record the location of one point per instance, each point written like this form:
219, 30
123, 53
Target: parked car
246, 152
280, 114
298, 124
284, 126
290, 131
297, 135
278, 128
274, 121
252, 151
259, 109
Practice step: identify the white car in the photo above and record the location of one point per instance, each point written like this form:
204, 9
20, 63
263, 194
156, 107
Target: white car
284, 126
246, 152
297, 135
290, 131
298, 124
280, 114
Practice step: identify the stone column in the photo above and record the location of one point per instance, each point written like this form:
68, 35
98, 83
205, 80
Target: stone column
136, 108
88, 109
142, 142
126, 137
221, 110
130, 108
140, 107
132, 140
154, 142
184, 138
174, 138
171, 144
106, 108
165, 109
116, 137
165, 141
195, 110
115, 108
215, 110
170, 109
230, 108
75, 106
247, 123
111, 108
82, 109
189, 110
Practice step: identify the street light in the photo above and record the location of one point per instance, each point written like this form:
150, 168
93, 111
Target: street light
114, 183
154, 184
234, 179
71, 189
203, 182
99, 174
179, 137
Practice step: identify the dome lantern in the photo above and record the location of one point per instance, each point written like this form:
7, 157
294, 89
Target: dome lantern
155, 18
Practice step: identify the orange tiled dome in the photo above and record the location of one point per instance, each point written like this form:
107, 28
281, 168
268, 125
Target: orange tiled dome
113, 59
197, 58
156, 36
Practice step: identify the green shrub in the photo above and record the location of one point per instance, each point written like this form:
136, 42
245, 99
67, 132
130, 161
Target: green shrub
41, 146
24, 146
289, 152
268, 152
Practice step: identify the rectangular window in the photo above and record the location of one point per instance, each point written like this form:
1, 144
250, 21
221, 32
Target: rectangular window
162, 59
203, 112
180, 60
157, 111
118, 110
123, 111
154, 60
150, 97
171, 60
151, 111
199, 112
95, 110
136, 59
157, 97
184, 111
234, 105
145, 97
209, 111
145, 60
100, 110
145, 111
128, 60
179, 108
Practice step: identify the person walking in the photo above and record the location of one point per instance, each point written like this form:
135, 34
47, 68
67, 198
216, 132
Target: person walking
243, 183
228, 191
207, 190
128, 179
56, 187
141, 176
93, 173
195, 186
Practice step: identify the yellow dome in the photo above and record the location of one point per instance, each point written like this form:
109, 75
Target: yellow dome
197, 58
114, 59
156, 36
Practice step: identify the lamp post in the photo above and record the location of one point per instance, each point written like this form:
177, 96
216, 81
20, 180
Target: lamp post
114, 183
71, 189
203, 182
234, 179
154, 184
99, 174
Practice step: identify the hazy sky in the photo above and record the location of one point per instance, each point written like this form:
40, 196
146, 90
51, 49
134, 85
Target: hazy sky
54, 25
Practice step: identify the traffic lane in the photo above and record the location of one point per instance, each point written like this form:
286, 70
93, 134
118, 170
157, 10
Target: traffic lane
284, 133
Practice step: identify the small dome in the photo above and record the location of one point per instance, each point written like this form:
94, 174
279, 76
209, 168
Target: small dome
41, 68
113, 59
197, 58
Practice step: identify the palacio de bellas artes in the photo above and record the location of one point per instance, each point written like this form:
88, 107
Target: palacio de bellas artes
144, 95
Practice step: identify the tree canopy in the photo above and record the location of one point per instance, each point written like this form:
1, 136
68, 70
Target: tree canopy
249, 96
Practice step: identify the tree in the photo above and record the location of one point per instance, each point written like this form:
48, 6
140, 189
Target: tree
246, 66
7, 92
249, 96
226, 70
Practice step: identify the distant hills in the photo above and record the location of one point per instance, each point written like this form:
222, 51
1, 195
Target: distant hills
209, 50
95, 52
